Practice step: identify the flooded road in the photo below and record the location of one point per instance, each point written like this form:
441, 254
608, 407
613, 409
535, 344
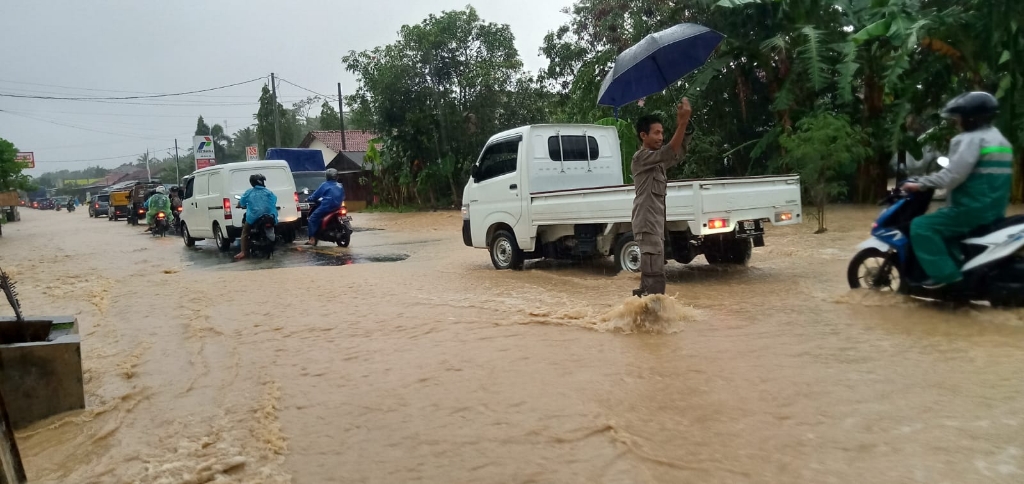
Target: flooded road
417, 362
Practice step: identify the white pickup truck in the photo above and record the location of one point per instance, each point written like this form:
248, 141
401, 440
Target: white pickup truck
555, 191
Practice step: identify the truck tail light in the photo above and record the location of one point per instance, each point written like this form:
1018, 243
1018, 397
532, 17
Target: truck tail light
784, 216
718, 223
227, 209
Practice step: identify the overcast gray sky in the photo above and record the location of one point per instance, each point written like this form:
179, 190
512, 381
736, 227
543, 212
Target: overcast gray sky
155, 46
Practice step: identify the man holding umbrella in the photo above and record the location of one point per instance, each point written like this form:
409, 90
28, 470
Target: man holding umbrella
651, 181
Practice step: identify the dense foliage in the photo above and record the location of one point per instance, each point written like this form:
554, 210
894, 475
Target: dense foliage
881, 68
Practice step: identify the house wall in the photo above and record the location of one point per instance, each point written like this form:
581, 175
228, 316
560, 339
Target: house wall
329, 154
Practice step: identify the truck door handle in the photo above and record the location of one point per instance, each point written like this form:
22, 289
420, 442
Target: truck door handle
513, 187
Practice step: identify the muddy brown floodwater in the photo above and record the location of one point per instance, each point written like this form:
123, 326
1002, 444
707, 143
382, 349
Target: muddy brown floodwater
407, 358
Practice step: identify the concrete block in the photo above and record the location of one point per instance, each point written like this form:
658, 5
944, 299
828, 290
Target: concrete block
40, 368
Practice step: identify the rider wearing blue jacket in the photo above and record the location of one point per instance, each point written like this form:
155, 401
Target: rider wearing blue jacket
330, 195
257, 202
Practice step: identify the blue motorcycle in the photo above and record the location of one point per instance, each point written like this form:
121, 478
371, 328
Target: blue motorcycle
991, 257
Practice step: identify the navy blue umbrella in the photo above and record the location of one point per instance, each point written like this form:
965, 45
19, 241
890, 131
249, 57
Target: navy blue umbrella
657, 62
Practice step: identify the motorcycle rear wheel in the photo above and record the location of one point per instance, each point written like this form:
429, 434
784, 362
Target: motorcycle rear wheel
875, 270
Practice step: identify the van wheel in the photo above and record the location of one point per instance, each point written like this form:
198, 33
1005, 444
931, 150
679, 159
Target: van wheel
505, 253
627, 254
187, 237
223, 243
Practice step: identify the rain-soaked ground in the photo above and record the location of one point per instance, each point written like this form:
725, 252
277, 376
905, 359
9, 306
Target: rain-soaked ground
407, 358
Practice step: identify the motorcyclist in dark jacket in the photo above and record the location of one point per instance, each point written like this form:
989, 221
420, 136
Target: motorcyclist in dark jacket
330, 195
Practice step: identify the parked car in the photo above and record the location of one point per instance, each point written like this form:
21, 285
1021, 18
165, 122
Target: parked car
209, 197
99, 205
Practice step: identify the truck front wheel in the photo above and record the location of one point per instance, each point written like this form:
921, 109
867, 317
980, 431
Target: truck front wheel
505, 253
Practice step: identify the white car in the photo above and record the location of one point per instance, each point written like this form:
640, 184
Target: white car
555, 191
208, 209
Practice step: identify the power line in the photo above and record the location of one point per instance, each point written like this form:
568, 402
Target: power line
78, 127
286, 81
127, 115
133, 155
122, 98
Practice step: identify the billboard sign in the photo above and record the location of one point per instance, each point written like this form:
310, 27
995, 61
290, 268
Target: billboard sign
252, 153
206, 156
28, 158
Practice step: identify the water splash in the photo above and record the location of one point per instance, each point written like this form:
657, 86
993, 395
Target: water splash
657, 314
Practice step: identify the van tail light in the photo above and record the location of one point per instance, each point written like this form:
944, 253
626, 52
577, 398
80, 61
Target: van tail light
297, 209
96, 206
227, 209
718, 223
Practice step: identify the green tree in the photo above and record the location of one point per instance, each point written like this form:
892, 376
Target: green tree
825, 149
202, 129
436, 95
11, 176
329, 119
265, 136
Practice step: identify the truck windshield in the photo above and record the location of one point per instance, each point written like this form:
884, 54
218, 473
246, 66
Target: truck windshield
308, 180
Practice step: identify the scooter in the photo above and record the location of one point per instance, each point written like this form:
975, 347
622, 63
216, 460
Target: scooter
336, 226
992, 257
160, 225
177, 220
262, 236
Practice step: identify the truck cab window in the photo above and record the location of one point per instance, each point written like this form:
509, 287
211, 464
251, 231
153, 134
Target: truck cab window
573, 148
498, 159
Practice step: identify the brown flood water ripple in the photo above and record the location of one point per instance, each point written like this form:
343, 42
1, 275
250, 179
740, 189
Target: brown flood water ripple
417, 362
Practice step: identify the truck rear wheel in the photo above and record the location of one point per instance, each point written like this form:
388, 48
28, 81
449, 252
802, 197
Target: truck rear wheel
505, 253
728, 250
627, 254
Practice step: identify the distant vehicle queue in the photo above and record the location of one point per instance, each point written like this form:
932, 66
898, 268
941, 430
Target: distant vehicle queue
255, 202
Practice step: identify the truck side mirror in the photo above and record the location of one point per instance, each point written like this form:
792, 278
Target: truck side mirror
474, 171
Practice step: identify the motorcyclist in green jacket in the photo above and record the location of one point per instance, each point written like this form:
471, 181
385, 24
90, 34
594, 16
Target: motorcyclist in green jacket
978, 180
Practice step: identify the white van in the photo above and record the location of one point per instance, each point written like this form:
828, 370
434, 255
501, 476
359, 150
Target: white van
208, 209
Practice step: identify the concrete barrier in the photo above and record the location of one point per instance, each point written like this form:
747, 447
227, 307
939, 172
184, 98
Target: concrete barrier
40, 368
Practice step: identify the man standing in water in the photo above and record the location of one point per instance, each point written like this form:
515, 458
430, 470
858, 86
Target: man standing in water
651, 181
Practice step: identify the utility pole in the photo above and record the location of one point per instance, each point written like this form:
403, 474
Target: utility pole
277, 128
177, 174
149, 174
341, 117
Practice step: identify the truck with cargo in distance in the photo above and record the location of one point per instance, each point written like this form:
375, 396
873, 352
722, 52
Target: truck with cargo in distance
555, 191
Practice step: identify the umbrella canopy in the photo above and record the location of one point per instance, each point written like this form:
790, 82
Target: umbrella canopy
657, 62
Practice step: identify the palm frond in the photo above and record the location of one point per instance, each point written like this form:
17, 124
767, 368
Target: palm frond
897, 67
735, 3
813, 57
846, 68
786, 96
706, 74
775, 44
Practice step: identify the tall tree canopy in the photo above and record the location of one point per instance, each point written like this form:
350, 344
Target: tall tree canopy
436, 95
